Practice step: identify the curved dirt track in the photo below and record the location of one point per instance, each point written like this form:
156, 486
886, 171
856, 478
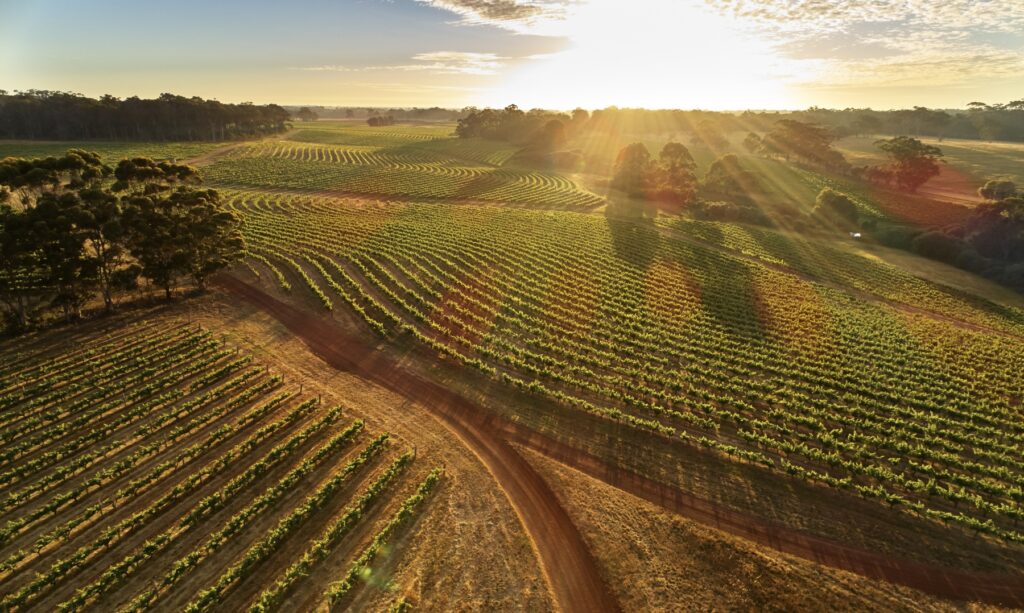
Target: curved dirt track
564, 556
566, 560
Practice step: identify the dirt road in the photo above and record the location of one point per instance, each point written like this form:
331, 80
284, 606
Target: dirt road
571, 571
565, 558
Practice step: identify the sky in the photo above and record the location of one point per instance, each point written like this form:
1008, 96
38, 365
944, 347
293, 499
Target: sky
556, 54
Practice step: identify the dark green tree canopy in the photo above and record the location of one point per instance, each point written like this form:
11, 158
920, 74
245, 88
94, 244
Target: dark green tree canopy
912, 163
38, 114
149, 176
804, 141
72, 236
632, 169
835, 205
998, 189
25, 180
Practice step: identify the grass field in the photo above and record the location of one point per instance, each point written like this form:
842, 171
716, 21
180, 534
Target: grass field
969, 163
152, 466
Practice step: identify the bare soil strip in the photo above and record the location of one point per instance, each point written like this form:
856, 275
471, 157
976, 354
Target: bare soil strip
570, 569
564, 555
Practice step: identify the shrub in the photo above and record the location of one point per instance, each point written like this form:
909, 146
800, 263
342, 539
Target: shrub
972, 261
996, 189
899, 237
835, 205
938, 246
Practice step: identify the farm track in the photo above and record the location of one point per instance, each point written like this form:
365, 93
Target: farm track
562, 549
571, 570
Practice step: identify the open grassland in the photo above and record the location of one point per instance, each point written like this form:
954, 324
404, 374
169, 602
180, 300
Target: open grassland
151, 466
111, 152
856, 375
977, 160
969, 163
422, 162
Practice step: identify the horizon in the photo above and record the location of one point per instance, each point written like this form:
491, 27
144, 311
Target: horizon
551, 54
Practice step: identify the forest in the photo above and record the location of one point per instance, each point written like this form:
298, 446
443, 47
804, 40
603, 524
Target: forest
55, 115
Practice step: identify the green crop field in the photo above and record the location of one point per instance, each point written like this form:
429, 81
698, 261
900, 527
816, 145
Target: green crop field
810, 361
395, 161
152, 466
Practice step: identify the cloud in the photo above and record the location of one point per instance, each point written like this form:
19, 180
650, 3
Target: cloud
515, 15
887, 42
991, 15
437, 62
459, 62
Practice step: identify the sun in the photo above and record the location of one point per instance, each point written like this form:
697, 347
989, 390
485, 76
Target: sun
664, 54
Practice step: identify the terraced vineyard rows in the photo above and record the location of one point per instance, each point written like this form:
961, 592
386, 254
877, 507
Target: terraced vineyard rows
627, 322
154, 464
382, 163
849, 270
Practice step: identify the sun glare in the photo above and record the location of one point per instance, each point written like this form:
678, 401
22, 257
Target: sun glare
670, 54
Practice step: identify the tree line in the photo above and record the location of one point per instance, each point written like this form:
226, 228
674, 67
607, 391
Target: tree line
73, 229
409, 114
53, 115
977, 121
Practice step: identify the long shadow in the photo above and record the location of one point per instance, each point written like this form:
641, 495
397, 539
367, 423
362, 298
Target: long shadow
634, 237
728, 292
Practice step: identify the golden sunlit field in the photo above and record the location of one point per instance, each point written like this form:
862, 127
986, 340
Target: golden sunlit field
574, 306
859, 403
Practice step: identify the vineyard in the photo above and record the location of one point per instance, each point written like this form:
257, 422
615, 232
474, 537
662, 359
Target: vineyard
406, 162
767, 350
152, 466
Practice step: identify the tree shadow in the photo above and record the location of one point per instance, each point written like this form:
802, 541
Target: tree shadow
728, 291
635, 238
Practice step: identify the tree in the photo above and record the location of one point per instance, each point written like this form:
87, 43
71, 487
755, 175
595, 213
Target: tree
185, 232
632, 169
551, 136
725, 176
807, 142
835, 205
997, 189
23, 284
996, 229
752, 142
59, 227
157, 229
305, 114
147, 176
26, 180
676, 172
213, 234
106, 243
708, 134
866, 123
912, 162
